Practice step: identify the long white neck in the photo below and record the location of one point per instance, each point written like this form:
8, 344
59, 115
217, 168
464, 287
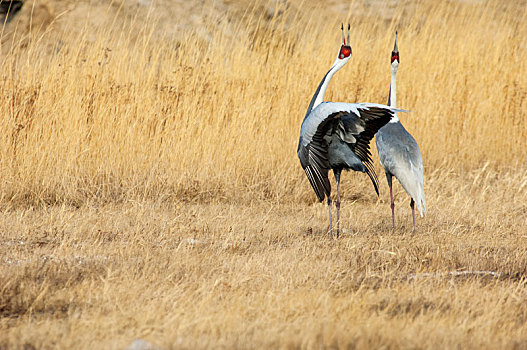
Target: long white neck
318, 97
392, 101
325, 83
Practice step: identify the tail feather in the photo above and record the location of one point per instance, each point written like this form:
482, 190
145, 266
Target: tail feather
420, 201
373, 176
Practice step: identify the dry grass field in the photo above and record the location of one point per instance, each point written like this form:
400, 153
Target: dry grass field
150, 188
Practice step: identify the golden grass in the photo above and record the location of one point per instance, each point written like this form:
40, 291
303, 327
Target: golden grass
112, 119
150, 186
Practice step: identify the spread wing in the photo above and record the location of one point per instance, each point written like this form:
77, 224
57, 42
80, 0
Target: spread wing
356, 124
314, 156
357, 130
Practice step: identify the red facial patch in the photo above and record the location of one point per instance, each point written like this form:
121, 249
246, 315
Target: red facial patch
345, 51
395, 56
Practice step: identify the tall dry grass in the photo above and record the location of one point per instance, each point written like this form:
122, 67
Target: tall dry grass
116, 113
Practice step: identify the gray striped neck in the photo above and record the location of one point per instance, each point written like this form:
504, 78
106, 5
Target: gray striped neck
317, 93
318, 97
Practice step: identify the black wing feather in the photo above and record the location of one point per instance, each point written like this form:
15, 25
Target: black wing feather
314, 157
371, 119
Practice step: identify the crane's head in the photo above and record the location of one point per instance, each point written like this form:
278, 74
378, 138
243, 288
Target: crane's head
345, 48
395, 55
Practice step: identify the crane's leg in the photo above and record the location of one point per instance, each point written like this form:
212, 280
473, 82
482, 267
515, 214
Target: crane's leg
337, 177
392, 203
412, 205
338, 209
329, 210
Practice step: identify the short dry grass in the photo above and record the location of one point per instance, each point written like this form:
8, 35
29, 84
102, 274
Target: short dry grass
149, 186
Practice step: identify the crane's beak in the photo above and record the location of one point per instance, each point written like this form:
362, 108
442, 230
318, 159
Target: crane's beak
395, 52
349, 35
345, 49
344, 42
